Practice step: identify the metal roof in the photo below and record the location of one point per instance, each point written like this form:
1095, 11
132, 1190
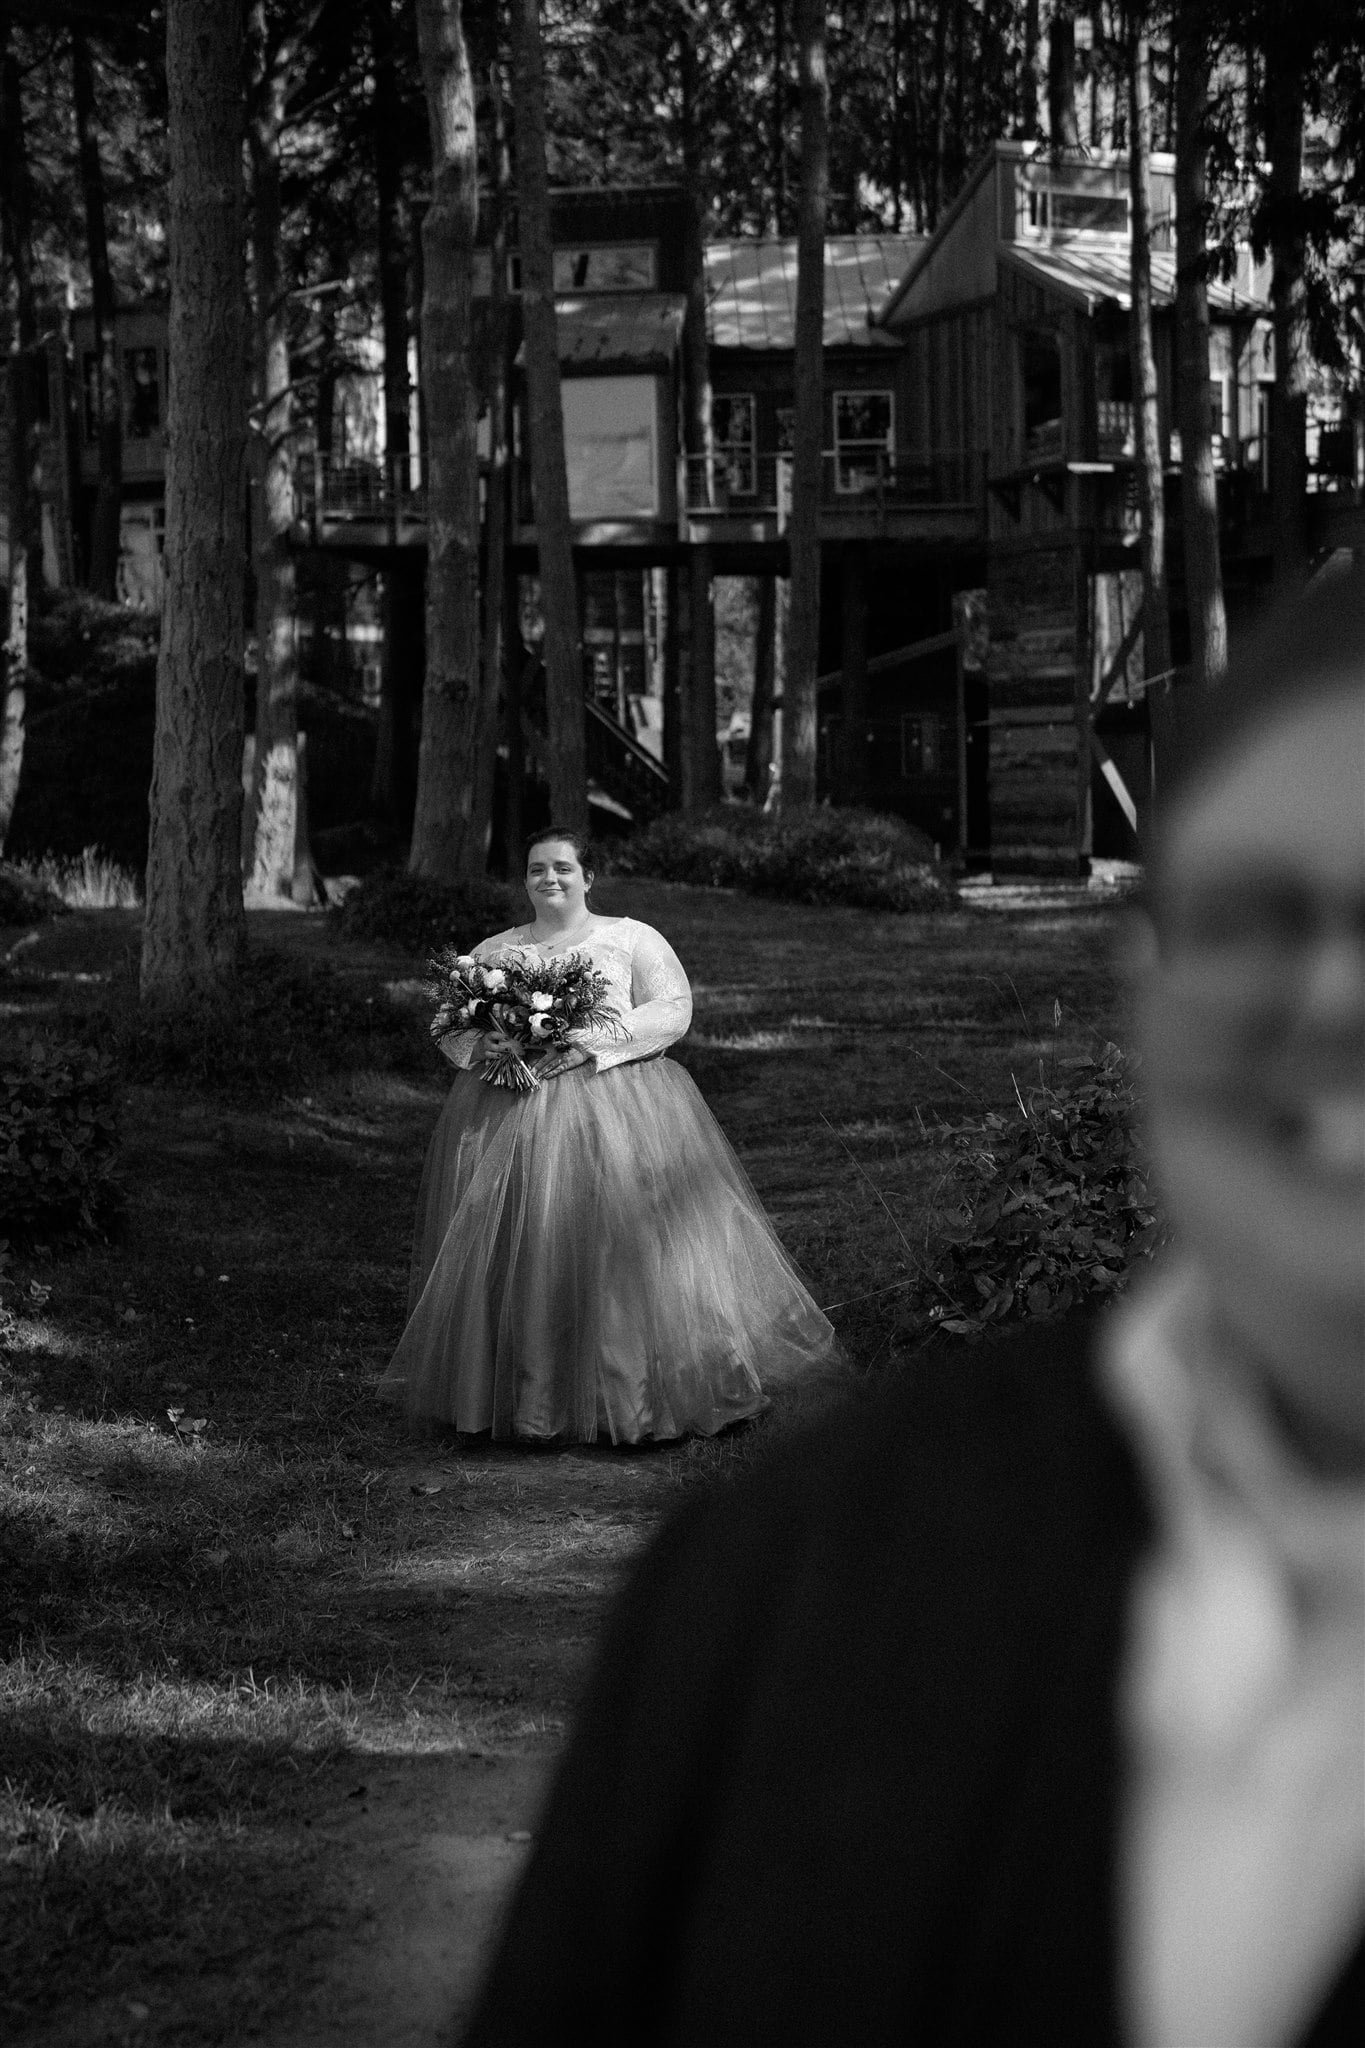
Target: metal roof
618, 327
751, 289
1097, 271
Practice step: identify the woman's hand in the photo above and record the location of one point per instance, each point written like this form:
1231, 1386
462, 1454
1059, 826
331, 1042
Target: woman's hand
561, 1060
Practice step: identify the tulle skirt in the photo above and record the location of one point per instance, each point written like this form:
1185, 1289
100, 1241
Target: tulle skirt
591, 1258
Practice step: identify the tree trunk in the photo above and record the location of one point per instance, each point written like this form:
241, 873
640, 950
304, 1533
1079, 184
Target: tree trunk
104, 531
1062, 128
940, 112
1027, 123
445, 843
1156, 629
497, 504
799, 707
194, 934
854, 765
280, 870
25, 546
701, 760
916, 148
1285, 88
758, 752
1198, 483
563, 652
384, 129
777, 118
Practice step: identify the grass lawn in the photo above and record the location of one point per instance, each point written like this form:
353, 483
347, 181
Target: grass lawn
257, 1676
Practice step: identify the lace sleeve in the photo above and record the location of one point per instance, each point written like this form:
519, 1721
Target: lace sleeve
661, 1011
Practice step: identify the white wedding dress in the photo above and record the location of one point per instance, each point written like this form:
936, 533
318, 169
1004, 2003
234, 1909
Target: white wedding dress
590, 1256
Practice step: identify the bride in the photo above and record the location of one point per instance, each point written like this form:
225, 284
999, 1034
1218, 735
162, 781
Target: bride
590, 1256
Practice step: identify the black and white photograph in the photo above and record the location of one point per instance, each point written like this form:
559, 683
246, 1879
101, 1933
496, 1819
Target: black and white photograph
682, 1024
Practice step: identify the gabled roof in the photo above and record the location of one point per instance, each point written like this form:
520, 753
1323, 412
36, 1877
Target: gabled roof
751, 290
1086, 275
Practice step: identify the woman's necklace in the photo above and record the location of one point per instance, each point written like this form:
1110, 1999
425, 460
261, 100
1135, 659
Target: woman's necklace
563, 938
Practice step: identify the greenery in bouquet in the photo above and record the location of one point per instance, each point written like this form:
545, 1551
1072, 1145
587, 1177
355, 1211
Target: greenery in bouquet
524, 1005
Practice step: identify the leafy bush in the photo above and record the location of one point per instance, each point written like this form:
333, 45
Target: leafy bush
26, 898
420, 916
1054, 1204
823, 856
58, 1141
286, 1027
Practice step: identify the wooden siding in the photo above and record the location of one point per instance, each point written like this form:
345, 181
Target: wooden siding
1037, 666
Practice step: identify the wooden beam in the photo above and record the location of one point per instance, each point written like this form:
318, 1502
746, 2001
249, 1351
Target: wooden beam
918, 650
1109, 770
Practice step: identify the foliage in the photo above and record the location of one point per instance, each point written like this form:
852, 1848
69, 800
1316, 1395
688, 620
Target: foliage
26, 897
1054, 1204
58, 1141
417, 915
832, 856
91, 881
287, 1026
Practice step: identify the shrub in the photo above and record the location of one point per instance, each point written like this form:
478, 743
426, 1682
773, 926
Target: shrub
91, 881
418, 915
286, 1027
58, 1141
823, 856
1054, 1204
26, 898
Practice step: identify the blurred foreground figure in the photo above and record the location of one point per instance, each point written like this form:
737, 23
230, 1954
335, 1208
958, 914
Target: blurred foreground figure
1028, 1703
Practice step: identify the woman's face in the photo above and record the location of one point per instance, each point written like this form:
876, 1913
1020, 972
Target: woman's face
555, 881
1253, 1028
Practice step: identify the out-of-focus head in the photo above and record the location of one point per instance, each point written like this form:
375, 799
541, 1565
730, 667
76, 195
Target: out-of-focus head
1252, 1010
559, 870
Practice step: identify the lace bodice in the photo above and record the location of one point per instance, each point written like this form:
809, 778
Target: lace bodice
653, 999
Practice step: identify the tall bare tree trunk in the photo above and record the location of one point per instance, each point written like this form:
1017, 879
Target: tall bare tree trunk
104, 532
916, 122
494, 655
799, 706
1026, 125
385, 127
700, 757
545, 430
1156, 627
280, 869
1284, 112
758, 751
777, 119
1062, 128
1198, 483
25, 546
940, 111
195, 932
445, 843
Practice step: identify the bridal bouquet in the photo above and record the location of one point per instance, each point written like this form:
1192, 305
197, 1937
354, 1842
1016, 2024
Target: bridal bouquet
526, 1006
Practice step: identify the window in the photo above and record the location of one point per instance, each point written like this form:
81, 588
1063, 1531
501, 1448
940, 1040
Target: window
610, 447
615, 267
1073, 202
141, 394
1114, 397
864, 435
922, 745
785, 418
733, 429
1040, 366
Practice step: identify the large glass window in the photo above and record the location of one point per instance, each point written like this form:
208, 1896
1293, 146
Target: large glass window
864, 436
733, 430
610, 437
